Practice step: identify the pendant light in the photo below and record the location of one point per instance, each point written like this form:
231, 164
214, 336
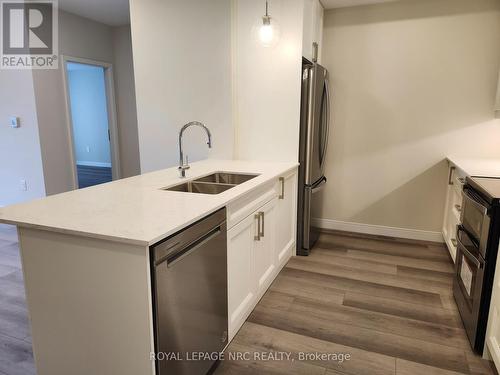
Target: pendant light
267, 31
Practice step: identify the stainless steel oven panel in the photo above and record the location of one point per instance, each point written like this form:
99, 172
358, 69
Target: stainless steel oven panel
475, 219
468, 283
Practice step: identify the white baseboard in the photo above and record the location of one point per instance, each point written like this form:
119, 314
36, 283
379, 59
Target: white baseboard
379, 230
93, 164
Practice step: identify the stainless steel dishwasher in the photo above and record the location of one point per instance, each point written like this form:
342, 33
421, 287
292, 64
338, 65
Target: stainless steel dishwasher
190, 296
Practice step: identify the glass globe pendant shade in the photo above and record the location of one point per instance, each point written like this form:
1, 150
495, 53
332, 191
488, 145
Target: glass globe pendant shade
266, 31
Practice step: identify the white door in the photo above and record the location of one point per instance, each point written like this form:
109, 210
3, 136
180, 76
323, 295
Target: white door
264, 247
241, 284
286, 218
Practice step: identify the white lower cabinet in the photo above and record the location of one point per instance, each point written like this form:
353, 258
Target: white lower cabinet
251, 263
258, 247
493, 328
286, 222
240, 269
264, 248
453, 207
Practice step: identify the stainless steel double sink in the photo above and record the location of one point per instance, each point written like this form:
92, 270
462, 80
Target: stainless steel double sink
214, 183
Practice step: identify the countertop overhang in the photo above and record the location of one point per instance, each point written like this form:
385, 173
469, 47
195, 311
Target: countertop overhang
136, 210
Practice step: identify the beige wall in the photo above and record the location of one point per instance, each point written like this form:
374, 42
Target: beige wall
84, 38
20, 147
413, 81
182, 63
267, 82
123, 66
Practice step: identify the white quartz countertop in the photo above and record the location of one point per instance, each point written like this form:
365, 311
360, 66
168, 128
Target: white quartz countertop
477, 166
135, 210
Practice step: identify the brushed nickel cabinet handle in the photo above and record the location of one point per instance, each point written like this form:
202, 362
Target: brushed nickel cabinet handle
282, 195
261, 234
257, 237
450, 181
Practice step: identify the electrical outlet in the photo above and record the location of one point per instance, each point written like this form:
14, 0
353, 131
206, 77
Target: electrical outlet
23, 185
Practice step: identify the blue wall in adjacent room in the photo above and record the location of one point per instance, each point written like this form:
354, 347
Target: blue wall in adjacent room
89, 114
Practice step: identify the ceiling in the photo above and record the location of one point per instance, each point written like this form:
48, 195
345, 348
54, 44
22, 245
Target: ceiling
109, 12
330, 4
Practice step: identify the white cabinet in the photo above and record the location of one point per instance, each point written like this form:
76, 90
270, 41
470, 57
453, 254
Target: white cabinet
312, 29
286, 224
261, 239
240, 269
264, 247
493, 328
453, 207
251, 262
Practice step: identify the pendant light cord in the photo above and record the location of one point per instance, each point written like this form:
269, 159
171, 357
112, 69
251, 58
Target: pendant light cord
267, 15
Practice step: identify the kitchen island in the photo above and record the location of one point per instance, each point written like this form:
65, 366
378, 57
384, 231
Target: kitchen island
86, 259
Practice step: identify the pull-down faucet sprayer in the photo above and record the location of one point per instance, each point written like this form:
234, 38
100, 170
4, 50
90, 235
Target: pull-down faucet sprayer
183, 165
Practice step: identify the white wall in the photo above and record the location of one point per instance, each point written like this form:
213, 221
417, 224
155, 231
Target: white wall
19, 148
182, 66
267, 82
87, 90
123, 67
413, 82
78, 37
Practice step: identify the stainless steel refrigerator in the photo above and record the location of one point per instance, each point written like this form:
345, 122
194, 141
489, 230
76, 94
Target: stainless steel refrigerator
314, 129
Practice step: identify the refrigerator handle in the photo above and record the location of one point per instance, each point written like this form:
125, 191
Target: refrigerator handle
319, 186
327, 89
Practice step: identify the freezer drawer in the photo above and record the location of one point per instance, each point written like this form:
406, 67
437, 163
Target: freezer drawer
310, 233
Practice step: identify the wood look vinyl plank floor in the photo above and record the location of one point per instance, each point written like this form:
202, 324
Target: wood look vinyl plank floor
387, 302
16, 353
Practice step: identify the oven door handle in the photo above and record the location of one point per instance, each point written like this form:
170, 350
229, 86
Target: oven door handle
470, 198
469, 255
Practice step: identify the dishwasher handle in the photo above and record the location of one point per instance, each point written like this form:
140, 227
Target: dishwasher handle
180, 254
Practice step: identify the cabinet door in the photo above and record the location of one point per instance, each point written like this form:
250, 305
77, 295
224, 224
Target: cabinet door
264, 247
308, 27
318, 26
453, 209
312, 28
286, 219
493, 327
240, 268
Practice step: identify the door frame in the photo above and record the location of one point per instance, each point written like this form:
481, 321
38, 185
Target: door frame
111, 109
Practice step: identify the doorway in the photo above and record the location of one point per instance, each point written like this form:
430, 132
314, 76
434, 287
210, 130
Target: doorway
92, 122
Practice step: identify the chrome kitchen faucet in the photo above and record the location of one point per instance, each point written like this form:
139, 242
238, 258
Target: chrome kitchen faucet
185, 165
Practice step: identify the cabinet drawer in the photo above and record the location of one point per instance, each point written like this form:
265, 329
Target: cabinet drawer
246, 205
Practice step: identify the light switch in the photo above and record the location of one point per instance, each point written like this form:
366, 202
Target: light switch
14, 122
